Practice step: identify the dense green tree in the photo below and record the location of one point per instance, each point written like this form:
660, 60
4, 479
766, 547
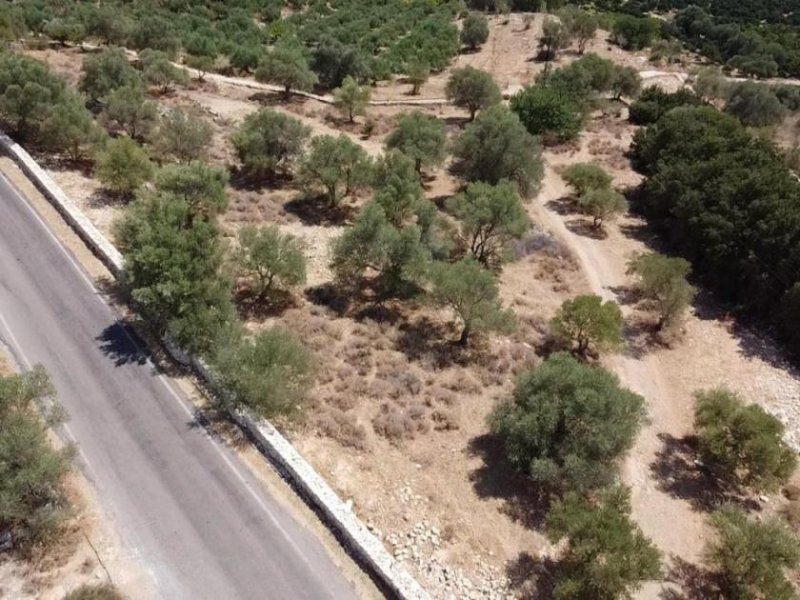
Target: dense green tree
555, 37
158, 70
127, 109
122, 165
351, 98
548, 111
181, 136
397, 187
269, 373
334, 61
472, 293
474, 30
173, 259
654, 102
755, 105
27, 92
266, 258
246, 57
586, 177
587, 324
582, 80
109, 25
668, 51
743, 442
65, 30
663, 280
568, 423
607, 557
287, 65
580, 24
710, 83
373, 243
627, 82
198, 185
751, 557
12, 22
602, 205
472, 89
490, 217
105, 71
269, 143
421, 137
155, 32
417, 74
336, 164
70, 128
634, 33
33, 501
497, 146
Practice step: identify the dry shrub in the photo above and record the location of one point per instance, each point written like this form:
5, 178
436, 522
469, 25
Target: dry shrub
791, 491
442, 396
343, 428
396, 424
444, 420
792, 513
462, 382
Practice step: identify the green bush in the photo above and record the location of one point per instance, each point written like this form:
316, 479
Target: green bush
548, 111
472, 89
337, 165
474, 31
602, 205
287, 65
420, 137
587, 324
351, 99
28, 90
743, 442
663, 280
585, 177
122, 165
106, 71
127, 109
568, 424
268, 143
654, 102
181, 136
266, 258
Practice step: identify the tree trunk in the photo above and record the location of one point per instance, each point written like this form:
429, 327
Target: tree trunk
287, 93
464, 339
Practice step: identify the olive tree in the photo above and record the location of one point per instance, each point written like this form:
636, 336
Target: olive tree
122, 166
606, 555
555, 37
420, 137
201, 187
587, 324
266, 257
417, 74
580, 24
490, 217
743, 442
496, 146
28, 90
585, 177
127, 109
182, 137
472, 293
70, 128
397, 187
158, 70
105, 71
474, 30
567, 424
351, 98
754, 104
663, 280
336, 164
287, 65
472, 89
602, 205
752, 557
268, 143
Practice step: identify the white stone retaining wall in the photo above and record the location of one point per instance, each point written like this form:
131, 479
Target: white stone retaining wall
310, 485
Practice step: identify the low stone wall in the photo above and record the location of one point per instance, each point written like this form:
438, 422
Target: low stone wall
365, 547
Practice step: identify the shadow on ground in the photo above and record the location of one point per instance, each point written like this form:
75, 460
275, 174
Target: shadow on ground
118, 343
691, 582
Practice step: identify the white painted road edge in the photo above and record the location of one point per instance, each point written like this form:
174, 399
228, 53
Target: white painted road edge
310, 485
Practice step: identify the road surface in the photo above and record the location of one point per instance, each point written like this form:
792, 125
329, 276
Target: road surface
187, 507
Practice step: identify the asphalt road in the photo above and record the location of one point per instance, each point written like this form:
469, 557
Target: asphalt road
185, 505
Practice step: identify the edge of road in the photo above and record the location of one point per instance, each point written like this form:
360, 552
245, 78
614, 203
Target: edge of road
368, 551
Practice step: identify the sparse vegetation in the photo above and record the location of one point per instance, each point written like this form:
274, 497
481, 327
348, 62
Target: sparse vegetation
662, 279
351, 98
267, 257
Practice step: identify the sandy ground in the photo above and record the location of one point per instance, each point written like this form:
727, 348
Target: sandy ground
397, 422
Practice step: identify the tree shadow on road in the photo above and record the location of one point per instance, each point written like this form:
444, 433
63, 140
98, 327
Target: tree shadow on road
691, 582
119, 344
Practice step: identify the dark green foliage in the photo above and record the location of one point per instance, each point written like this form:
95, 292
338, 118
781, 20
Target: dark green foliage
158, 71
106, 71
583, 79
333, 61
286, 65
663, 280
743, 442
472, 89
267, 257
32, 500
497, 146
607, 556
548, 111
751, 556
635, 33
655, 102
201, 187
100, 591
65, 30
337, 165
28, 90
471, 292
269, 373
122, 165
396, 254
417, 74
154, 32
627, 82
490, 217
181, 136
754, 105
420, 137
173, 259
587, 324
70, 128
268, 143
397, 187
585, 177
246, 58
351, 98
474, 31
568, 423
728, 203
